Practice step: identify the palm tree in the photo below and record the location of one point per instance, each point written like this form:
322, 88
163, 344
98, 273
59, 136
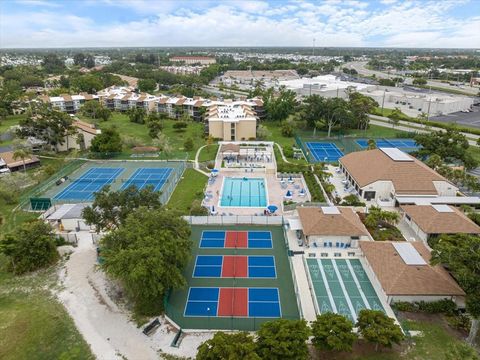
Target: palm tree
371, 144
21, 154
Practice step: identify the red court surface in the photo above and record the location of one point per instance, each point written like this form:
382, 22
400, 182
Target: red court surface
233, 302
235, 266
236, 239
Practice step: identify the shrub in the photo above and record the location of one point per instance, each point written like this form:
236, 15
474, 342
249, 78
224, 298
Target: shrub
459, 321
180, 125
352, 200
188, 144
404, 306
445, 306
196, 209
9, 197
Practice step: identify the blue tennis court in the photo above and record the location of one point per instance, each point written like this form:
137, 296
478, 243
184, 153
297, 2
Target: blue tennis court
235, 266
143, 177
322, 151
236, 239
90, 182
233, 302
398, 143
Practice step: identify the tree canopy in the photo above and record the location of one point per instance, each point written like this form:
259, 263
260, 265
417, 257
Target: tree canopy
376, 327
147, 255
461, 253
333, 332
450, 145
283, 339
236, 346
46, 124
279, 105
110, 208
108, 141
30, 247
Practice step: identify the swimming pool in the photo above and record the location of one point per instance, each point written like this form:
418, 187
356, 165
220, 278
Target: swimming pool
244, 192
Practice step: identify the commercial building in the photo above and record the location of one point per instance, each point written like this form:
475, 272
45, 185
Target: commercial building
190, 60
325, 85
413, 102
331, 226
269, 78
8, 162
430, 221
386, 175
403, 270
233, 121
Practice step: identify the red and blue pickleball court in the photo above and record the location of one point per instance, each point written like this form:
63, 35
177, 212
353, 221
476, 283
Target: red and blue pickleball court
233, 302
235, 266
217, 239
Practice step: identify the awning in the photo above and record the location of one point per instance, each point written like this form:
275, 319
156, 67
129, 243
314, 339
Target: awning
295, 224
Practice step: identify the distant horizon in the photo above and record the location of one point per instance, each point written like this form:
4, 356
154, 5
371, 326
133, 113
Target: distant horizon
382, 24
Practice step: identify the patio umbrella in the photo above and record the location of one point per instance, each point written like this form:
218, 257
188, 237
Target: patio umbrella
272, 208
212, 210
288, 195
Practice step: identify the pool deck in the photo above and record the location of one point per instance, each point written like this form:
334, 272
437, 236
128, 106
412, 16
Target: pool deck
275, 192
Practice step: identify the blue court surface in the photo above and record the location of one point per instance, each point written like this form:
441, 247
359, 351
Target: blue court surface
322, 151
233, 302
398, 143
90, 182
235, 266
143, 177
236, 239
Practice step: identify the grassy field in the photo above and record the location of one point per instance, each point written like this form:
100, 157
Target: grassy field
189, 188
431, 345
34, 325
208, 153
177, 138
11, 120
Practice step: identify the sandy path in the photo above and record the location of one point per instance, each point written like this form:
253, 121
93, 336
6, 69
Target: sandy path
104, 325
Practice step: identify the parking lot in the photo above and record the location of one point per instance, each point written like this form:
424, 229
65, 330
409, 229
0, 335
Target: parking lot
471, 119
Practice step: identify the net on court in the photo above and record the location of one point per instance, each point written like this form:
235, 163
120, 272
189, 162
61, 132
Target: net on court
143, 177
91, 181
402, 144
232, 282
324, 151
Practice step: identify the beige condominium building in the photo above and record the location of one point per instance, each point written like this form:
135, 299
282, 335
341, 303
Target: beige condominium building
232, 122
190, 60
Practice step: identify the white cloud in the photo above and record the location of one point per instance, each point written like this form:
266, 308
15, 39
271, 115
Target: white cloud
247, 23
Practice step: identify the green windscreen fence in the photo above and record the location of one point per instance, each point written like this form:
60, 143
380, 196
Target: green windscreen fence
40, 204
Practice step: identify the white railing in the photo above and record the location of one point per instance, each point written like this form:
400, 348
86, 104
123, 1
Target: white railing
235, 220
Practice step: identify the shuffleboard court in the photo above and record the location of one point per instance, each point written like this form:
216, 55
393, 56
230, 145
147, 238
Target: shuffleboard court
342, 286
236, 239
233, 302
90, 182
235, 266
324, 151
142, 177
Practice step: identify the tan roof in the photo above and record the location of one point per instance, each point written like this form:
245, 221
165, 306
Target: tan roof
198, 103
230, 147
162, 100
66, 97
315, 222
398, 278
432, 221
11, 162
141, 98
88, 128
408, 177
180, 101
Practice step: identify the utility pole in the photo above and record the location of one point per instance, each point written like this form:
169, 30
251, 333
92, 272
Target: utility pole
383, 100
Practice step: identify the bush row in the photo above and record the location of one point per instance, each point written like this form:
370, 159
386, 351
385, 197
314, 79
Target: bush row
444, 306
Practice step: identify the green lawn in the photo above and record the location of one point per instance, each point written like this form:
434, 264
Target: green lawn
177, 138
208, 153
188, 189
34, 325
431, 345
11, 120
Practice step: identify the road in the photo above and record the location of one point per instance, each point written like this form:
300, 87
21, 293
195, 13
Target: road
360, 67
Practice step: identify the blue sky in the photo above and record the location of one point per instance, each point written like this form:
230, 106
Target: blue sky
392, 23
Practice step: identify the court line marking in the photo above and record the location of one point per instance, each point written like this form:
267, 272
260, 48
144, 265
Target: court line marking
346, 296
327, 287
357, 283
